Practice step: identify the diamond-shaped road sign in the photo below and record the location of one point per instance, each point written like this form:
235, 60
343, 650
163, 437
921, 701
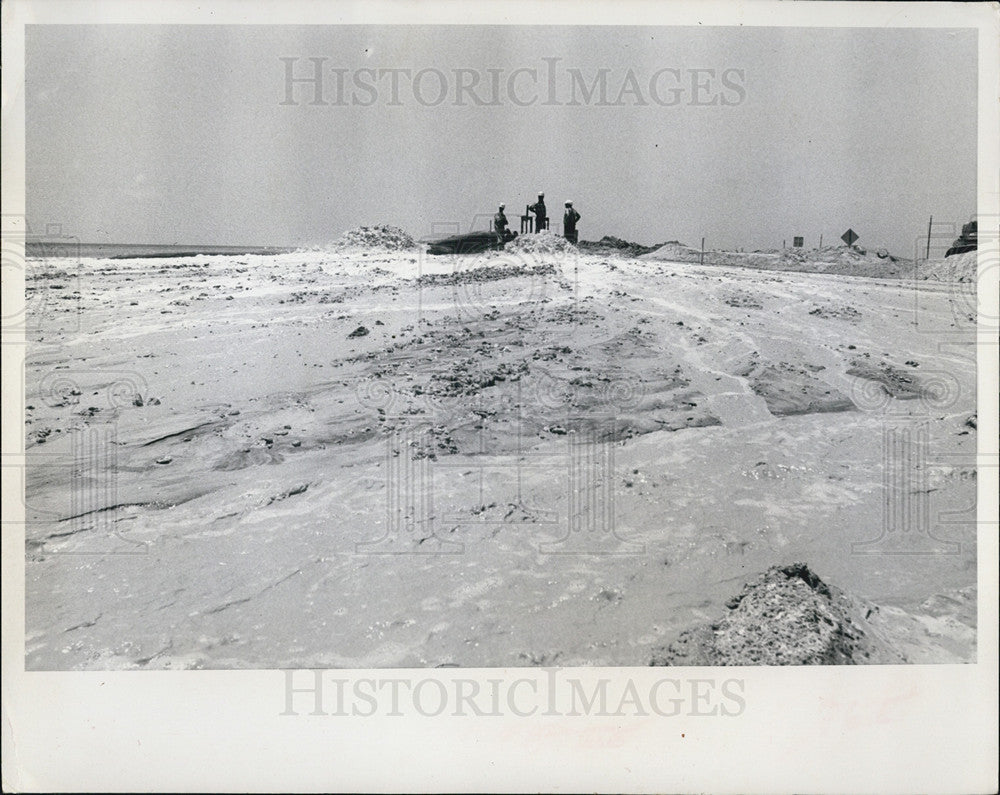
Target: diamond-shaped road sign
849, 237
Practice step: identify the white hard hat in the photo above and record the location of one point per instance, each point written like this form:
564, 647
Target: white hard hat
540, 193
569, 201
502, 205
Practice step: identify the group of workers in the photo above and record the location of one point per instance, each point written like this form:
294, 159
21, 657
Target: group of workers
570, 217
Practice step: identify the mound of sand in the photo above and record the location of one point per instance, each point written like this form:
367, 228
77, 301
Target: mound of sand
609, 244
386, 238
675, 252
544, 242
789, 616
957, 268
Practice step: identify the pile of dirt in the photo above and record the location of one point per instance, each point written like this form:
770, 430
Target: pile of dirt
386, 238
609, 244
675, 251
957, 268
544, 242
788, 616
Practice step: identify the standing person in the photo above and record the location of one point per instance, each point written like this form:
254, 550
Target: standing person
538, 208
570, 217
500, 223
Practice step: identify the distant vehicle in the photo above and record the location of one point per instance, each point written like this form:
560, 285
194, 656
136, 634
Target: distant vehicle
968, 240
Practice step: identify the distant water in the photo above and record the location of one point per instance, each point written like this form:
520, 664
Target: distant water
67, 247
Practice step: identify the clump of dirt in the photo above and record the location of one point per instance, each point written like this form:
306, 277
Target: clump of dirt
832, 312
743, 300
386, 238
788, 616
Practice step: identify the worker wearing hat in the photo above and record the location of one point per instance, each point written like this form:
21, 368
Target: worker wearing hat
538, 208
500, 220
570, 217
500, 224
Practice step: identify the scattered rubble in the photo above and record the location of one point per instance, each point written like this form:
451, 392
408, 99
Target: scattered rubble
894, 381
487, 273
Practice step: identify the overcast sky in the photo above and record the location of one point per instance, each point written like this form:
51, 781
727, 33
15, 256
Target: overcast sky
156, 134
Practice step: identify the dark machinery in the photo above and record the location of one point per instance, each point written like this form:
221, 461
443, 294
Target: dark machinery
968, 240
471, 243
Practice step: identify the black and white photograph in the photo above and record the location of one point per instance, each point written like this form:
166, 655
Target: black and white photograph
555, 346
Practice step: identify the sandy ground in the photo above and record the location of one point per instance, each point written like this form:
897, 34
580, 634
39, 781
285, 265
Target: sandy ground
840, 260
377, 459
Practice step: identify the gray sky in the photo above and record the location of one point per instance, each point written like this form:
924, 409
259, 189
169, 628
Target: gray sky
160, 134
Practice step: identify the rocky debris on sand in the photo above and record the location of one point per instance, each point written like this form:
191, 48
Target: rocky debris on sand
360, 331
487, 273
743, 300
388, 238
544, 242
39, 436
788, 616
138, 402
894, 381
832, 312
470, 377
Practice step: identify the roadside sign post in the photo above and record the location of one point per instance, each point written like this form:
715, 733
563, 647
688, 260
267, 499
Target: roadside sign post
849, 237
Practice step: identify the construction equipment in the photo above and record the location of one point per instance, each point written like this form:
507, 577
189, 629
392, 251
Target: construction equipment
968, 241
471, 243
